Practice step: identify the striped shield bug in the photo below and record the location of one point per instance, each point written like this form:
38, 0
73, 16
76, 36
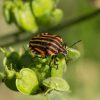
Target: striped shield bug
48, 45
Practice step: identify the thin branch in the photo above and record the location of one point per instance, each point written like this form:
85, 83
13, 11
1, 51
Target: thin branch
64, 24
77, 20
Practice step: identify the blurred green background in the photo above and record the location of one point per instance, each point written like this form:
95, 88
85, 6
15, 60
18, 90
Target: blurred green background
83, 75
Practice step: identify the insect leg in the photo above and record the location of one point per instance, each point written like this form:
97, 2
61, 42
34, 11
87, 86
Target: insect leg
51, 60
55, 61
66, 60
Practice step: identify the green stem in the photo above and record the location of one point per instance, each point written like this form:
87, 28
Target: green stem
46, 97
47, 91
4, 51
67, 23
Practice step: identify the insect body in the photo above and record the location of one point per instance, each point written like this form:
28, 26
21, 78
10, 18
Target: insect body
47, 45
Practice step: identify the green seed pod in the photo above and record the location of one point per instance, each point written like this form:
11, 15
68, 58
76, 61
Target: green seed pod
56, 83
12, 61
72, 54
42, 7
51, 19
26, 59
9, 73
45, 21
7, 6
10, 79
58, 70
16, 16
27, 19
19, 3
57, 16
27, 81
43, 72
41, 67
24, 17
10, 83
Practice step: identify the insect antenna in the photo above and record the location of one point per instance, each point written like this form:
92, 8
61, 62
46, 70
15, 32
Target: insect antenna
75, 43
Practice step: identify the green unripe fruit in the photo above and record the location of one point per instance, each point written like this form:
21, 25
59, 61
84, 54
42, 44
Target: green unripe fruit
24, 18
16, 16
56, 83
43, 72
42, 7
9, 73
26, 59
51, 19
58, 72
27, 19
10, 83
10, 79
12, 61
7, 11
72, 54
27, 81
45, 21
57, 16
18, 3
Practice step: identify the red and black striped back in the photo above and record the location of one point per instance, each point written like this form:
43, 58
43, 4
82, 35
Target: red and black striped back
47, 45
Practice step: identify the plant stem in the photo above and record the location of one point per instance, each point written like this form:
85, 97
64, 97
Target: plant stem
46, 97
65, 24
